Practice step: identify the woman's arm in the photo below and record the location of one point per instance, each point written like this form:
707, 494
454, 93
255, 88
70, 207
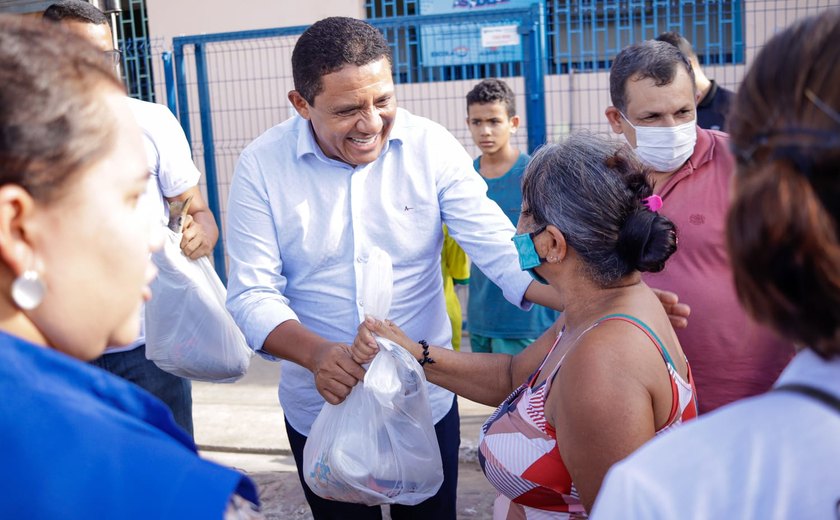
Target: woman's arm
599, 405
480, 377
677, 311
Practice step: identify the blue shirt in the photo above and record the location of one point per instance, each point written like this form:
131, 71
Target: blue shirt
300, 227
78, 442
488, 313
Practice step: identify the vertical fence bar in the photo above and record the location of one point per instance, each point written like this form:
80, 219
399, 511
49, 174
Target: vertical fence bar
737, 31
533, 49
207, 140
169, 76
181, 82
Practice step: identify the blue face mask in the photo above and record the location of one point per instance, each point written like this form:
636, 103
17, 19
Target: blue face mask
528, 256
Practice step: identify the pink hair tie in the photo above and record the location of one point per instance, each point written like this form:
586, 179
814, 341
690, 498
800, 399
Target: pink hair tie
653, 203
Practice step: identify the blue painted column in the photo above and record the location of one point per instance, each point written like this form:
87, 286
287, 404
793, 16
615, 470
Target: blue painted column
169, 77
181, 82
205, 114
533, 50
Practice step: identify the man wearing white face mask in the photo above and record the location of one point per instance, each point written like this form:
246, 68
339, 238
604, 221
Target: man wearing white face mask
654, 108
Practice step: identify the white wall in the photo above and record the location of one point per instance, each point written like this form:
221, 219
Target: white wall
169, 18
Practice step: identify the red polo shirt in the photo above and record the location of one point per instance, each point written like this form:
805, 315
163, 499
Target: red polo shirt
731, 356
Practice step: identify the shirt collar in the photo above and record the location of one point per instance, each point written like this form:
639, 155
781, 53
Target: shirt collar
399, 132
710, 95
704, 150
306, 143
808, 367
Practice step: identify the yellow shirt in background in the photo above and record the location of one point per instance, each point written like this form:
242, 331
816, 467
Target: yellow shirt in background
455, 267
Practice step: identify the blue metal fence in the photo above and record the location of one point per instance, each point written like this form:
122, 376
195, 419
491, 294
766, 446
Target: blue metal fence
192, 60
586, 35
221, 94
232, 86
404, 33
137, 50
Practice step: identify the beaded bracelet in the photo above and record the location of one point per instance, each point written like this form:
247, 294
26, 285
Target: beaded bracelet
426, 359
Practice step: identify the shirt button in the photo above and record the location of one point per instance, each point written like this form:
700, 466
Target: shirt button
361, 303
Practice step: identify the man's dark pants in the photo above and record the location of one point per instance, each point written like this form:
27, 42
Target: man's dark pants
174, 391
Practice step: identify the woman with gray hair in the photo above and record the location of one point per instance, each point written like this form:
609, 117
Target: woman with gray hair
610, 374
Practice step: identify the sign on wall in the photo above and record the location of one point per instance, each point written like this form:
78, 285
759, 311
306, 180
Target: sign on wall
471, 42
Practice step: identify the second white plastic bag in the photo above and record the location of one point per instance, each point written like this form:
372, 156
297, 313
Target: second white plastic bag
189, 332
379, 445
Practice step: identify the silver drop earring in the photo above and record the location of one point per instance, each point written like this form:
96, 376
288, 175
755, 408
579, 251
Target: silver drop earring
28, 290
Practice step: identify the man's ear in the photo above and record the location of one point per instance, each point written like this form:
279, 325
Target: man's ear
557, 245
514, 123
16, 207
614, 119
299, 103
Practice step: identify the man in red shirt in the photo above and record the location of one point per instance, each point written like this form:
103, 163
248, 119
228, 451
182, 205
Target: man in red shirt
654, 107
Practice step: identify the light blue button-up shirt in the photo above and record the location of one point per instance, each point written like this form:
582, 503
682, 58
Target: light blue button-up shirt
300, 227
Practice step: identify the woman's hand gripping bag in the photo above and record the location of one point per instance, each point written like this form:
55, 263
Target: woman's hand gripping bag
379, 445
189, 332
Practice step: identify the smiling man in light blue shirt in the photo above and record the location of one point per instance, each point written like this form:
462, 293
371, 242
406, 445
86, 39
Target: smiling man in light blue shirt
309, 200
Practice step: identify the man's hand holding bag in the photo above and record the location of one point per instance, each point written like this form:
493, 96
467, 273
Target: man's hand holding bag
189, 332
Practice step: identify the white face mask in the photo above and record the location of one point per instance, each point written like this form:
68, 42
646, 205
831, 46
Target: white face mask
665, 148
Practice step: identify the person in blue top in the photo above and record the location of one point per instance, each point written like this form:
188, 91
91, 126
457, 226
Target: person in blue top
75, 244
494, 324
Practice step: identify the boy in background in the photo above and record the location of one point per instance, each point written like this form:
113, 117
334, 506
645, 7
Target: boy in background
494, 324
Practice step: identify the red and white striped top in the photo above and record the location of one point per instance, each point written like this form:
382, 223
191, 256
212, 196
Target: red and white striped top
518, 448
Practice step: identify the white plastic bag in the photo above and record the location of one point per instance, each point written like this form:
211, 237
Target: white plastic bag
378, 284
379, 445
189, 332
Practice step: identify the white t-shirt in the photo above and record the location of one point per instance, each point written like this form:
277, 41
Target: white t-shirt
774, 456
170, 165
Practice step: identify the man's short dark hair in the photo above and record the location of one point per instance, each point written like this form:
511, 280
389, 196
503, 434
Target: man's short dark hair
678, 40
77, 11
493, 90
330, 44
652, 59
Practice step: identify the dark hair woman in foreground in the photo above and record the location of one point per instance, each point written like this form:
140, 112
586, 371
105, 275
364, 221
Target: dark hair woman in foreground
77, 442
